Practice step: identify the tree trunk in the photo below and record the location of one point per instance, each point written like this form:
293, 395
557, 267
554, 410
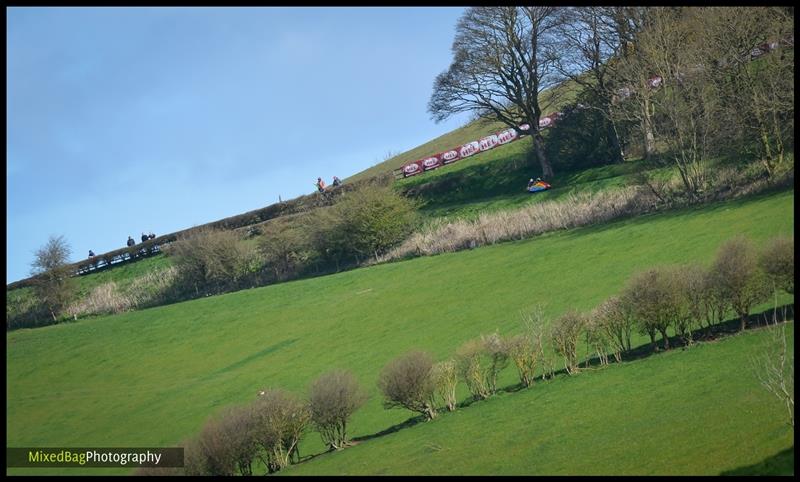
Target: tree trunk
743, 319
647, 130
538, 143
613, 140
653, 341
665, 338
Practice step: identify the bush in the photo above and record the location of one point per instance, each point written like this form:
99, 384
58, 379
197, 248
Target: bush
24, 310
615, 319
279, 420
689, 282
365, 223
737, 274
52, 283
333, 399
536, 330
777, 261
407, 382
523, 353
565, 332
212, 261
654, 302
472, 368
228, 443
287, 250
479, 362
597, 338
445, 380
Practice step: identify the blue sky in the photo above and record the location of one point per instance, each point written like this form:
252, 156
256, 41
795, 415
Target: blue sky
123, 120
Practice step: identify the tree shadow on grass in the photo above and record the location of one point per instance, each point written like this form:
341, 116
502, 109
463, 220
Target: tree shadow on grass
781, 463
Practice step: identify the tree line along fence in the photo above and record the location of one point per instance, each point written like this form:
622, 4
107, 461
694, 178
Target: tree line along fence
154, 246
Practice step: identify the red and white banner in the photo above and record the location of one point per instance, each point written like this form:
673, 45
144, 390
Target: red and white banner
488, 142
412, 169
506, 136
484, 144
469, 149
449, 156
431, 163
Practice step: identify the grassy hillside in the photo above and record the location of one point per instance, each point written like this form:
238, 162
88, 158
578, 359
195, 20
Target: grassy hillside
633, 418
550, 101
152, 377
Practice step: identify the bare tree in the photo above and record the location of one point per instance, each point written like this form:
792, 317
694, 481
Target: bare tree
597, 338
473, 368
53, 286
615, 318
590, 42
407, 382
280, 419
333, 399
634, 94
534, 325
654, 302
445, 379
502, 61
523, 353
757, 97
774, 368
777, 261
566, 332
736, 273
228, 443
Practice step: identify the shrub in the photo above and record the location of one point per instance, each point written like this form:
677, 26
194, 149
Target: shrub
279, 421
777, 261
534, 326
472, 368
689, 281
52, 283
715, 303
653, 299
366, 223
445, 380
228, 443
615, 319
496, 350
523, 353
597, 339
24, 310
407, 382
212, 260
286, 250
736, 273
565, 332
333, 399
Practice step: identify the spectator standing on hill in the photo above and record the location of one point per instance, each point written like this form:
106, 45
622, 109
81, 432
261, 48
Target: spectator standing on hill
336, 181
144, 237
91, 253
151, 235
131, 242
320, 184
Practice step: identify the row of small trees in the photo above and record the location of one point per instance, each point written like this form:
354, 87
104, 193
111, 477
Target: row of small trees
683, 298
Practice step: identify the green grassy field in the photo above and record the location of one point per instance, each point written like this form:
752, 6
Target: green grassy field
697, 411
153, 377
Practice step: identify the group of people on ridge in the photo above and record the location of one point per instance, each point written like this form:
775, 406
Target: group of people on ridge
321, 184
